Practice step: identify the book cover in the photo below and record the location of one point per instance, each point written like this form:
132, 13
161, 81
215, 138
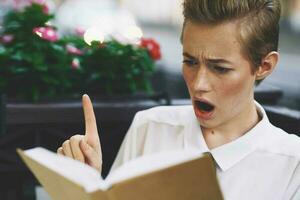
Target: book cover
177, 175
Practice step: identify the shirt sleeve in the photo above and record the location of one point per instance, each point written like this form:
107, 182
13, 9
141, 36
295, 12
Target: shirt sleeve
133, 143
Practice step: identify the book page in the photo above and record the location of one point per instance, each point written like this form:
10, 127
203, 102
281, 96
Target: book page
71, 169
151, 163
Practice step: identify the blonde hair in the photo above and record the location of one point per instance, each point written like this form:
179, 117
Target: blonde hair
259, 22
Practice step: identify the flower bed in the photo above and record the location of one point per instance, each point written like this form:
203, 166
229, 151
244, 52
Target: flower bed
37, 63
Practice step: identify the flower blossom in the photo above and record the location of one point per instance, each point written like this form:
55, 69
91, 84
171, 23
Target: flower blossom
43, 4
46, 33
75, 64
79, 31
152, 47
73, 50
6, 39
20, 4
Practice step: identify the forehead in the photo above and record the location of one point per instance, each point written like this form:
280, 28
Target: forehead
221, 40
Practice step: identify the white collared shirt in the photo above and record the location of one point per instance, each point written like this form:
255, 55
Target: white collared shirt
263, 164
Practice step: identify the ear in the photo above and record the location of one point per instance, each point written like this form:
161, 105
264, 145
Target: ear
267, 66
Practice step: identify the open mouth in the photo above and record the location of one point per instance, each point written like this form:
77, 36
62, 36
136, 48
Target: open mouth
204, 107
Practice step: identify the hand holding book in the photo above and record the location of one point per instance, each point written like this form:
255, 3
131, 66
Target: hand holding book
85, 148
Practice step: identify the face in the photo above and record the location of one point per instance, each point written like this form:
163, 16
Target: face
217, 73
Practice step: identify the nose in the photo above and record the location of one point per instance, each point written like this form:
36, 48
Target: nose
202, 80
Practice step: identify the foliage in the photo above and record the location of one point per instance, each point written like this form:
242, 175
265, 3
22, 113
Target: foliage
112, 64
31, 66
36, 63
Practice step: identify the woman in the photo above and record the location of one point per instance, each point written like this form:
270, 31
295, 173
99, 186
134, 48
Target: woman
228, 47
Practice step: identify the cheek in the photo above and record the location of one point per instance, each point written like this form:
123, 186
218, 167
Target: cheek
237, 88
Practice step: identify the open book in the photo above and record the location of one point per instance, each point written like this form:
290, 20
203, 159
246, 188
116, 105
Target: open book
170, 175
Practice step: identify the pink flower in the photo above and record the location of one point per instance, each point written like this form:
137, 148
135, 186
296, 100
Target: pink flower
152, 47
20, 4
75, 64
6, 39
73, 50
79, 31
46, 33
43, 4
45, 9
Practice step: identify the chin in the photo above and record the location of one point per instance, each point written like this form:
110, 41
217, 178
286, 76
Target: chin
207, 124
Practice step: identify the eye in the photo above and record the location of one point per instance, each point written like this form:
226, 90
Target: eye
190, 62
220, 70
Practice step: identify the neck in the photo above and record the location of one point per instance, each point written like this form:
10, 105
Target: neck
233, 129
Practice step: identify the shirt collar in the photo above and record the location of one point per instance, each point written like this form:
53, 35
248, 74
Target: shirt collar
227, 155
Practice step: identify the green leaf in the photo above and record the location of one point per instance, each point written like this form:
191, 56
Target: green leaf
2, 50
20, 70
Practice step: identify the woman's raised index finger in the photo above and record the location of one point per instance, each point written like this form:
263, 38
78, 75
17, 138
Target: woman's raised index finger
91, 131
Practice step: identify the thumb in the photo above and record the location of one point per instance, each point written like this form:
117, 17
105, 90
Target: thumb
91, 132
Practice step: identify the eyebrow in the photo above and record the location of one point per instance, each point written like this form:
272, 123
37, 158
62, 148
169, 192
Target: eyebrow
210, 60
188, 55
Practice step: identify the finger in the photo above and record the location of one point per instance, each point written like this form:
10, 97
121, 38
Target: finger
67, 149
74, 143
92, 158
91, 132
60, 151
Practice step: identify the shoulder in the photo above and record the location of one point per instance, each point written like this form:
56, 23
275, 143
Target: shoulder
172, 115
281, 142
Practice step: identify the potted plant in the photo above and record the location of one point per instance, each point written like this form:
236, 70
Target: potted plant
37, 64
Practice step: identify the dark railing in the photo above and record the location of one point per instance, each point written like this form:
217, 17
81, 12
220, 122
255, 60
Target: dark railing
2, 114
